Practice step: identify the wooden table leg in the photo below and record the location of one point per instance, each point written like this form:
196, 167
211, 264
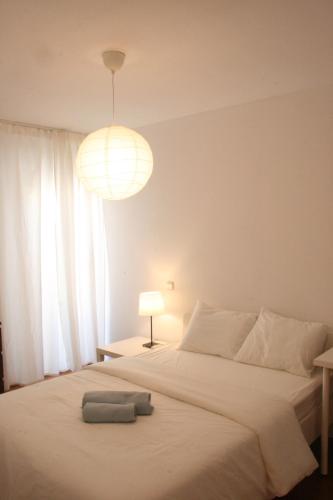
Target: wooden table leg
325, 420
100, 357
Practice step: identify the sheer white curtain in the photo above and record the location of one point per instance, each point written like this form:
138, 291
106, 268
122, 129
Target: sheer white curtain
54, 295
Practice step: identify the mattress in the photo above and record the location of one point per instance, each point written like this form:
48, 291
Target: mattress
303, 393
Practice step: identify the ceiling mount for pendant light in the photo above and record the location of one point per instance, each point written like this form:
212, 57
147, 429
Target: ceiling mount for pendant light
113, 59
115, 162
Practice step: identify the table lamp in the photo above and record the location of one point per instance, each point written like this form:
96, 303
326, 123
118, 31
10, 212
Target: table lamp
151, 304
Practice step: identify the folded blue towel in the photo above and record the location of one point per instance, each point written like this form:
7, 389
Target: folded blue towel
108, 412
140, 399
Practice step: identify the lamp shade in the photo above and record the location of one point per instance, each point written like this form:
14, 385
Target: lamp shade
150, 303
115, 162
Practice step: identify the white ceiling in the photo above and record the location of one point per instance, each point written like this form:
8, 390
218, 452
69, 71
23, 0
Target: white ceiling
183, 56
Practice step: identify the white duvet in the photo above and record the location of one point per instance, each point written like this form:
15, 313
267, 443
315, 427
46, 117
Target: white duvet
203, 442
285, 452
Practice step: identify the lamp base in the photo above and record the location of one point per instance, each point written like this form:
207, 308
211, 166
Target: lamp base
150, 344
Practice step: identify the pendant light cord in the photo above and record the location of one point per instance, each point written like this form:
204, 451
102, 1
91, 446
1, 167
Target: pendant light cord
113, 105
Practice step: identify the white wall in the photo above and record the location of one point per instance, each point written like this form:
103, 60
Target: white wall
239, 212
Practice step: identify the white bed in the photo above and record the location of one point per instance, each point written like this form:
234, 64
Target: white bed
187, 450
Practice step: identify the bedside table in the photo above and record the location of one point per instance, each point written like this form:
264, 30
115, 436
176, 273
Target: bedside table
128, 347
325, 361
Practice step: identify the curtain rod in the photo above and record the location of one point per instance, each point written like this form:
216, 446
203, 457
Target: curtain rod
41, 127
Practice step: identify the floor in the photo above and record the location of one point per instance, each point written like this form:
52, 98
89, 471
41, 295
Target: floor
315, 487
47, 377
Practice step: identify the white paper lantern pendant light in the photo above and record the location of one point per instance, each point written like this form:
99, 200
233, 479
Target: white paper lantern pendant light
115, 162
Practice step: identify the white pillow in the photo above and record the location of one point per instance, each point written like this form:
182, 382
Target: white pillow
215, 331
283, 343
